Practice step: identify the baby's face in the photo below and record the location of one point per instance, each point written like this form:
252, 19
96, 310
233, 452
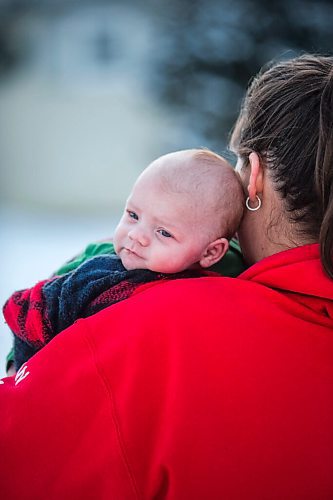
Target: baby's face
160, 230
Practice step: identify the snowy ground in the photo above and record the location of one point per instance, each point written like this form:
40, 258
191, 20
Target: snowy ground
33, 245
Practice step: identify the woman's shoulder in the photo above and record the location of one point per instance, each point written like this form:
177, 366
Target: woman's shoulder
186, 305
270, 289
206, 290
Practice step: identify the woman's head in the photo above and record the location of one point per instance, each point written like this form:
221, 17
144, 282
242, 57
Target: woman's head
287, 120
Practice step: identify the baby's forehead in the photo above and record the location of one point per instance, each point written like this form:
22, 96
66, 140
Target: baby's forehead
182, 171
202, 175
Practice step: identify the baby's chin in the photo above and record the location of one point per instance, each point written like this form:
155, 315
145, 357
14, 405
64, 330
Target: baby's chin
131, 261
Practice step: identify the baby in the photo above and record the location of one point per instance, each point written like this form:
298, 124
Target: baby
181, 212
177, 222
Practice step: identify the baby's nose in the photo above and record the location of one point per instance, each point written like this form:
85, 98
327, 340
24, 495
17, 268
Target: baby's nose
139, 236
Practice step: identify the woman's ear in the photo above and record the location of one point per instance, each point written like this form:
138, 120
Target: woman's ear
214, 252
256, 176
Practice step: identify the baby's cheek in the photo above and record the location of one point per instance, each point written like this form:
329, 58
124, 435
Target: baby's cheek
154, 262
168, 264
117, 241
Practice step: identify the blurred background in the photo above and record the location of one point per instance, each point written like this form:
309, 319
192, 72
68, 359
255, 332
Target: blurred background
93, 91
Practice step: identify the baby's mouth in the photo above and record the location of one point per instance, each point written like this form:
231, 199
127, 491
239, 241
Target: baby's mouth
131, 252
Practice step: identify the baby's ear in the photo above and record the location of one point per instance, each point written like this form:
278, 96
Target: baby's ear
214, 252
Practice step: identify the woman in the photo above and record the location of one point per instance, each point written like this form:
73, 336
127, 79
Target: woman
211, 387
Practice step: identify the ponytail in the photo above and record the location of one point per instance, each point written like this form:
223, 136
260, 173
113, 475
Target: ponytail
324, 175
287, 118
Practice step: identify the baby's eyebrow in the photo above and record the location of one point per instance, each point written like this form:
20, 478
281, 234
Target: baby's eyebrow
165, 223
129, 205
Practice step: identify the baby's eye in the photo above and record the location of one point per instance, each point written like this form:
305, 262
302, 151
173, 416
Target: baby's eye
164, 233
132, 215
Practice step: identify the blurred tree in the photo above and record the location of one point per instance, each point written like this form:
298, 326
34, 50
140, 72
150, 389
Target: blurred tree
205, 52
211, 49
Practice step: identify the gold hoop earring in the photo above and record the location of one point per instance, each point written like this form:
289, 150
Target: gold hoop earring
253, 209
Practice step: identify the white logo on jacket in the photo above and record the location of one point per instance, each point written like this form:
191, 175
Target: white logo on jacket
21, 374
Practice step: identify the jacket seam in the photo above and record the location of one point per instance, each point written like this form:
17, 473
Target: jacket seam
114, 416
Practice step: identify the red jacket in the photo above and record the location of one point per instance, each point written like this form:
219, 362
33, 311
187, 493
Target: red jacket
208, 388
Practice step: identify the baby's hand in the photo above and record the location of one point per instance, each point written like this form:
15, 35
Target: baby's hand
10, 370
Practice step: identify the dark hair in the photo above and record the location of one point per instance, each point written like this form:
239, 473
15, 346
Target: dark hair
287, 118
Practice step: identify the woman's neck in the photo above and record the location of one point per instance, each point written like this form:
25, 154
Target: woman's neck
267, 232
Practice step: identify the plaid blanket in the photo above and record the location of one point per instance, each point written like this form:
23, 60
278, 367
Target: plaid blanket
38, 314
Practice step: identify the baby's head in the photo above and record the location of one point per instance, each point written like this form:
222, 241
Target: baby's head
182, 211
